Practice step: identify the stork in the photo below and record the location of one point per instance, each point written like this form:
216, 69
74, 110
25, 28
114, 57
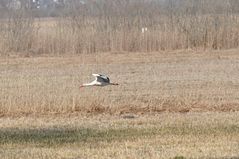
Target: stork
100, 80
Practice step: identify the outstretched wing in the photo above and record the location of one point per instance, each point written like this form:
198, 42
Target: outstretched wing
101, 78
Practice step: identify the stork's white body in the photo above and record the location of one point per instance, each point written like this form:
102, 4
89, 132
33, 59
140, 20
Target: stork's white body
100, 80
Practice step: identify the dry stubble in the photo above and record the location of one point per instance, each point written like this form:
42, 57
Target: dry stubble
173, 82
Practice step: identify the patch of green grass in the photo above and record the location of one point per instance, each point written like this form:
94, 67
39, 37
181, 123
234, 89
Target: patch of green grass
61, 136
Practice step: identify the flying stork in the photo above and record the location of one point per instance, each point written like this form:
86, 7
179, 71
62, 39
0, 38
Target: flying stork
100, 80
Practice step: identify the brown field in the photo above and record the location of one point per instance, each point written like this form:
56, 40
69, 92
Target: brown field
165, 135
168, 105
183, 81
176, 62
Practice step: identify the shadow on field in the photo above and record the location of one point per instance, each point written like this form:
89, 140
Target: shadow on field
61, 136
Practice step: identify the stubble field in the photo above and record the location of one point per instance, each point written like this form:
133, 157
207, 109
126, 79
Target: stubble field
168, 104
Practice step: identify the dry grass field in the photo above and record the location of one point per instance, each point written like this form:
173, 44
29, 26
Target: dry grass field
165, 135
182, 81
176, 62
168, 105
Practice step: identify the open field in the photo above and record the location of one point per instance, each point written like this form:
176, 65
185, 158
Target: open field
166, 135
168, 104
157, 82
176, 62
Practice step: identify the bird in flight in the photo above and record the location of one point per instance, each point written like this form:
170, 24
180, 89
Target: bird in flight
100, 80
